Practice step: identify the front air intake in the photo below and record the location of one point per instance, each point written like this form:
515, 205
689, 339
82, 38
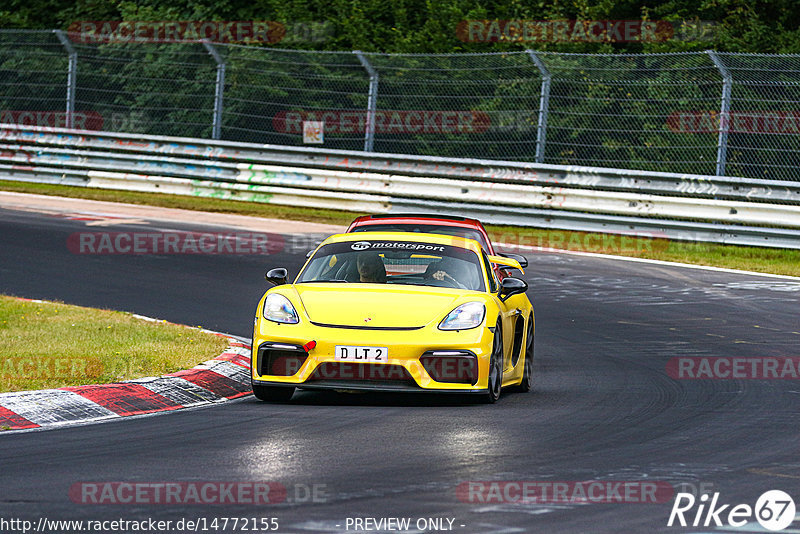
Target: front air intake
451, 366
280, 359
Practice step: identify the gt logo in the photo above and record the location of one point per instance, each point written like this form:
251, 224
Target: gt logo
361, 245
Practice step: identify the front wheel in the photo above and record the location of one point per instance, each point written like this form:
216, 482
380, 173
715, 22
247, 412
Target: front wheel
272, 393
495, 381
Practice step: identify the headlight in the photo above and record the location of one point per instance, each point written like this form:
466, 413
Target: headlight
277, 308
466, 316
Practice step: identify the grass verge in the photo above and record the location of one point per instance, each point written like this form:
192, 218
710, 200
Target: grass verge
50, 345
767, 260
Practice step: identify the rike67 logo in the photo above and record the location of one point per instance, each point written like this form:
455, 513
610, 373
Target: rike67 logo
774, 510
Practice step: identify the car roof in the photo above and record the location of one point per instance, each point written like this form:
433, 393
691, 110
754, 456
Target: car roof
418, 217
365, 221
439, 239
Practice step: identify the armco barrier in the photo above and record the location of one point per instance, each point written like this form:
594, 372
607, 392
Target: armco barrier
684, 207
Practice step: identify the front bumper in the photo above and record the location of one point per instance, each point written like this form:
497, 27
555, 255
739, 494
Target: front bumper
418, 360
352, 385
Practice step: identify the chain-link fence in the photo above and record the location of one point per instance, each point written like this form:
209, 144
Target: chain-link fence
702, 112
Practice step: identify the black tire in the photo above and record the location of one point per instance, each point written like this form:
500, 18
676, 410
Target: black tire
495, 380
273, 393
527, 375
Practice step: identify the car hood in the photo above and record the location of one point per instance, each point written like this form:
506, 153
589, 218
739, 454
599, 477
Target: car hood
375, 305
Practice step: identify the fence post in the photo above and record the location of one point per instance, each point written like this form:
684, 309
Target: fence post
219, 89
544, 106
372, 100
72, 72
724, 112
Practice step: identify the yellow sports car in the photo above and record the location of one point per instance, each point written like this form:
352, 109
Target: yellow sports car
394, 311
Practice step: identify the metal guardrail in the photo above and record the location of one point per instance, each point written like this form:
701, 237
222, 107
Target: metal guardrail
676, 206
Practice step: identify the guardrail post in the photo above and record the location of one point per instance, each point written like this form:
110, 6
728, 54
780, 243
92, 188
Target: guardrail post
372, 100
219, 89
724, 112
72, 73
544, 106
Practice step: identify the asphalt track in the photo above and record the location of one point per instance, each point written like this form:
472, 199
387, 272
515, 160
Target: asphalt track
603, 405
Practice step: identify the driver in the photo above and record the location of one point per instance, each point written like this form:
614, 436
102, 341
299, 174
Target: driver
370, 268
436, 270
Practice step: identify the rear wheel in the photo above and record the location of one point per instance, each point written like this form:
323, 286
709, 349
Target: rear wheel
272, 393
495, 382
527, 375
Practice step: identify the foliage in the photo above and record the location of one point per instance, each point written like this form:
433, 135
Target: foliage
429, 26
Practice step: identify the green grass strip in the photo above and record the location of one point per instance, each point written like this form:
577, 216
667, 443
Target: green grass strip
51, 345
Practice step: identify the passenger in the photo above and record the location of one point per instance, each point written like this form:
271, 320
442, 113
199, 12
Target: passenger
371, 268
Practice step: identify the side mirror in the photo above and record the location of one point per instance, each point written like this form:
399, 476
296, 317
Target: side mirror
511, 286
523, 261
278, 276
309, 253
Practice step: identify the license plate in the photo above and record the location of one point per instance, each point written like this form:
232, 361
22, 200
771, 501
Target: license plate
350, 353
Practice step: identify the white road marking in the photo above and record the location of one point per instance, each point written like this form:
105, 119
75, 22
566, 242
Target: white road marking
113, 222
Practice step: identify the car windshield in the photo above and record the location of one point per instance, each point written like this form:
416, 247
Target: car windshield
440, 229
395, 262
